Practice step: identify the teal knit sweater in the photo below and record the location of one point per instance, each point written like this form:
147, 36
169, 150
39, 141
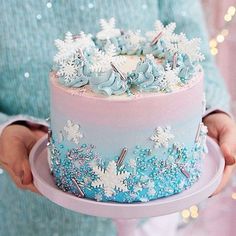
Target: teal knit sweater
27, 32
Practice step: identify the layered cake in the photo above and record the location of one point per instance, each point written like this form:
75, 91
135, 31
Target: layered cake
126, 114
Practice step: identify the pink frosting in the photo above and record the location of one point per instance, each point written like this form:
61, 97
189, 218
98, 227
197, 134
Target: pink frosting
148, 108
111, 123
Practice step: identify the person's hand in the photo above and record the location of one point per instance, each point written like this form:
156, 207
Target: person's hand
223, 130
16, 142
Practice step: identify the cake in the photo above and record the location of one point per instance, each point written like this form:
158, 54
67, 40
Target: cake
126, 114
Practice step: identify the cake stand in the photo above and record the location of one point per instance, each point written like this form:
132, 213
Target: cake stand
126, 215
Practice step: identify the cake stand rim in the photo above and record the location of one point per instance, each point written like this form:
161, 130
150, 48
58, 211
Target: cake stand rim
125, 210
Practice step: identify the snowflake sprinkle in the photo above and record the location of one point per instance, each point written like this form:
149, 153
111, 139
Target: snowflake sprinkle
73, 132
70, 70
102, 59
165, 32
110, 179
134, 38
182, 45
71, 45
162, 137
171, 76
108, 29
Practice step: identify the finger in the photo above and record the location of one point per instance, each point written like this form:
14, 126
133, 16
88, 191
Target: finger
27, 176
18, 181
226, 176
39, 133
17, 157
229, 157
227, 144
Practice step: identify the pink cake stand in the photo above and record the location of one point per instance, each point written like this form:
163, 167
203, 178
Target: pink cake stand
126, 215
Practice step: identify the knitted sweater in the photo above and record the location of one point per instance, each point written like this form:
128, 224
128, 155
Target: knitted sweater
28, 29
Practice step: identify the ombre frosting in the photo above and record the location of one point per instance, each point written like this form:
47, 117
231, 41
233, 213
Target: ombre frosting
126, 115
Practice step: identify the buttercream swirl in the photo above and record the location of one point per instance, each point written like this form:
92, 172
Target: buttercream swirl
185, 66
131, 43
108, 83
158, 50
148, 76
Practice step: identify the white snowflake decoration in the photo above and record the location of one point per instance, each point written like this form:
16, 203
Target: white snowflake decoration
98, 197
151, 191
101, 59
108, 29
69, 46
162, 137
68, 70
137, 188
203, 137
144, 199
134, 38
150, 57
84, 40
182, 45
73, 132
110, 179
150, 184
132, 163
171, 77
167, 32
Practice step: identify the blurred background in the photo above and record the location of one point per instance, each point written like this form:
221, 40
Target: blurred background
221, 19
217, 216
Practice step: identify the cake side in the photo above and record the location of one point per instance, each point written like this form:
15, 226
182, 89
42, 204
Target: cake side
157, 138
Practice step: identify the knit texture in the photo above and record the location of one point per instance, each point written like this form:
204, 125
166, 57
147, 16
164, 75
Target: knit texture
28, 29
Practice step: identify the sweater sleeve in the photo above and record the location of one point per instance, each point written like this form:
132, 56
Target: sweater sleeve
189, 19
6, 120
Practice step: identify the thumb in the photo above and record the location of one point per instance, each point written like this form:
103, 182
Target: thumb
16, 143
228, 145
27, 176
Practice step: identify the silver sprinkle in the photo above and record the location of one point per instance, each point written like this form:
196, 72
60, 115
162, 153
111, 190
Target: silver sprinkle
81, 54
155, 40
81, 193
122, 157
174, 60
185, 172
49, 135
118, 71
198, 132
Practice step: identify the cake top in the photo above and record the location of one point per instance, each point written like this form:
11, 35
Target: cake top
116, 62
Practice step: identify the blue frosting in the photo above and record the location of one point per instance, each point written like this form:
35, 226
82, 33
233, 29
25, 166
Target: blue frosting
108, 83
151, 177
148, 76
184, 64
158, 50
116, 41
128, 48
